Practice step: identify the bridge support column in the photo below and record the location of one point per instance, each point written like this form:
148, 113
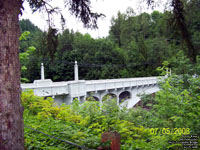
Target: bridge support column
71, 100
117, 99
82, 99
79, 99
100, 98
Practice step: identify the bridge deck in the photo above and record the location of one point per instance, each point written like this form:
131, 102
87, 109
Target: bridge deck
81, 87
96, 85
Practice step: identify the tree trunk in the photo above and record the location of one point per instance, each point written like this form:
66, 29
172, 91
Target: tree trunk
11, 113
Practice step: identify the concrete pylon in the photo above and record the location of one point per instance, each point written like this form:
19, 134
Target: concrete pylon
76, 71
42, 71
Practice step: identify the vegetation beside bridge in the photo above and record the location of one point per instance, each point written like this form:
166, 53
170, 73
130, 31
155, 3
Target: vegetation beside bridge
137, 45
176, 105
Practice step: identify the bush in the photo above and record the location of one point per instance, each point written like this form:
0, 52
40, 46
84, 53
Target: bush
83, 124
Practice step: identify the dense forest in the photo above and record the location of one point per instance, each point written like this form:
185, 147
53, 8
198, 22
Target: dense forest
137, 45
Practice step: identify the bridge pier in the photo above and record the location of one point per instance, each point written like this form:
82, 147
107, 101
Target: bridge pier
118, 100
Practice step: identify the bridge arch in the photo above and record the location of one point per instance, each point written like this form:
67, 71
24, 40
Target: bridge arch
125, 95
108, 96
92, 98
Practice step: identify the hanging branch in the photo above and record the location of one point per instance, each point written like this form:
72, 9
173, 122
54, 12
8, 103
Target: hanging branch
80, 8
178, 23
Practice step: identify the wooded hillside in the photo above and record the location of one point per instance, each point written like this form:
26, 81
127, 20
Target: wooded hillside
136, 46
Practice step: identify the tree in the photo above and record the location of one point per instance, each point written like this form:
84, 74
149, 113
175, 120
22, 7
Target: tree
179, 24
11, 111
115, 30
11, 122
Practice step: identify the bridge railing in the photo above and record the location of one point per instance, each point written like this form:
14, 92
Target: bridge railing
48, 88
96, 85
51, 89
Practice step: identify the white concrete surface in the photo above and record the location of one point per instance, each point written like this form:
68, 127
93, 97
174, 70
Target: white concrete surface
65, 92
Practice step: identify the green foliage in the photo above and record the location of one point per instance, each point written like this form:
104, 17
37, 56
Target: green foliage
178, 103
24, 35
136, 46
24, 56
182, 65
163, 70
84, 123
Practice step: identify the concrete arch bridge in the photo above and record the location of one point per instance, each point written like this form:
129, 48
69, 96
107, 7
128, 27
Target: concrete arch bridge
125, 90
